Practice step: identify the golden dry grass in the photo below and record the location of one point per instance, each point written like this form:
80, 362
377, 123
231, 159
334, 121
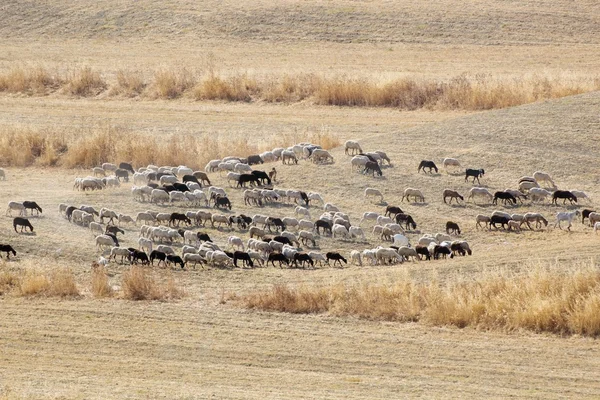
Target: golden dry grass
559, 299
100, 286
140, 284
57, 282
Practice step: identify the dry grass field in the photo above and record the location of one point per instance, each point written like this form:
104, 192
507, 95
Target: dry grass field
69, 332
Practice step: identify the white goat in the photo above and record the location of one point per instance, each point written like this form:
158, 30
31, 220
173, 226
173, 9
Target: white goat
566, 216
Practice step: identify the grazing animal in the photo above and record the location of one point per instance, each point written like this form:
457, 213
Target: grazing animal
222, 202
389, 210
33, 206
352, 147
303, 259
177, 218
336, 257
474, 173
480, 192
7, 248
127, 167
15, 206
534, 217
480, 218
324, 225
372, 167
244, 257
453, 194
566, 216
23, 223
498, 219
371, 192
442, 251
407, 220
277, 257
136, 255
175, 259
113, 229
423, 251
565, 195
202, 177
577, 193
158, 255
416, 193
429, 165
450, 162
505, 197
452, 227
105, 241
121, 173
540, 176
585, 214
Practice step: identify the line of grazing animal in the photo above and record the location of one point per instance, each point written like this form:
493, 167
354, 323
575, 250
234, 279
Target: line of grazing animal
474, 173
505, 197
452, 227
336, 257
23, 223
33, 206
7, 248
427, 164
453, 194
565, 195
566, 216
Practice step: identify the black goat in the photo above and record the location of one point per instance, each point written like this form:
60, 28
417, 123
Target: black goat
114, 230
373, 168
262, 176
23, 223
254, 159
127, 167
122, 173
303, 259
565, 195
336, 257
427, 164
325, 225
407, 220
158, 255
389, 210
174, 259
452, 227
32, 205
505, 197
7, 248
178, 217
474, 173
280, 258
244, 257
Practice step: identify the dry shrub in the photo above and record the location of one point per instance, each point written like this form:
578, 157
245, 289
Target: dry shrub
545, 299
100, 286
129, 84
289, 88
171, 84
30, 81
56, 283
236, 88
139, 284
84, 82
9, 280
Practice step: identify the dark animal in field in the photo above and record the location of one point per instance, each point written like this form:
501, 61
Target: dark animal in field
454, 195
203, 237
167, 188
178, 217
280, 258
136, 255
585, 214
304, 197
282, 239
202, 177
458, 249
158, 255
190, 178
122, 174
505, 197
69, 212
565, 195
370, 157
336, 257
23, 223
423, 251
474, 173
152, 176
441, 251
427, 164
222, 202
254, 159
242, 221
113, 237
114, 230
7, 248
244, 257
153, 185
33, 206
372, 167
389, 210
248, 178
276, 222
452, 227
324, 225
303, 259
273, 174
407, 220
498, 219
127, 167
182, 187
172, 258
262, 176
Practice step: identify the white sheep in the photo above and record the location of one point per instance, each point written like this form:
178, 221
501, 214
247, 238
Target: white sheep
165, 249
377, 230
306, 236
183, 170
109, 167
372, 192
291, 237
358, 162
320, 156
596, 227
339, 230
104, 241
163, 218
111, 182
352, 147
202, 217
235, 242
440, 237
315, 197
305, 224
220, 219
62, 208
106, 213
382, 220
290, 222
400, 240
167, 179
355, 257
176, 195
145, 244
566, 216
193, 259
407, 252
387, 256
289, 156
540, 176
383, 156
125, 219
144, 217
503, 214
193, 186
159, 196
395, 228
118, 251
356, 232
212, 166
416, 193
369, 255
479, 192
96, 228
302, 211
140, 178
15, 206
268, 156
330, 207
580, 195
98, 171
317, 257
190, 237
256, 256
514, 225
450, 162
241, 167
426, 240
368, 216
528, 185
539, 194
277, 152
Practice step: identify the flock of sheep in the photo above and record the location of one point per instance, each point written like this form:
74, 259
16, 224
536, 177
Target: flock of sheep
278, 240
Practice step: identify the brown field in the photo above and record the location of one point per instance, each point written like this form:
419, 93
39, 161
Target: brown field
67, 331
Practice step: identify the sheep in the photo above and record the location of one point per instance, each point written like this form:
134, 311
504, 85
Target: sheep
517, 194
212, 165
176, 195
109, 167
453, 194
87, 219
317, 257
125, 219
89, 183
330, 207
527, 185
303, 211
356, 232
183, 170
479, 192
358, 163
377, 230
539, 194
106, 213
416, 193
167, 179
596, 227
235, 242
305, 224
320, 156
382, 156
306, 236
104, 241
145, 244
480, 218
387, 256
291, 237
407, 252
15, 206
268, 156
98, 171
163, 218
118, 251
352, 147
290, 222
96, 228
450, 162
289, 156
395, 228
315, 197
220, 219
580, 195
355, 258
144, 217
566, 216
426, 240
593, 218
165, 249
338, 230
371, 192
534, 217
514, 225
441, 237
193, 258
159, 196
369, 216
111, 182
503, 214
381, 220
540, 176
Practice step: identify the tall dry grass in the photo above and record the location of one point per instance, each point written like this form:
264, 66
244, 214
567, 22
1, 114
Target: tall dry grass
59, 282
544, 299
140, 284
100, 286
464, 92
87, 147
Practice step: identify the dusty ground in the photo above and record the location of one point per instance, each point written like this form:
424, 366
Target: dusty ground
208, 345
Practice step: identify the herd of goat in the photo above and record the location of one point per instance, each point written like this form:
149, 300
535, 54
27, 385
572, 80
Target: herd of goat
277, 240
